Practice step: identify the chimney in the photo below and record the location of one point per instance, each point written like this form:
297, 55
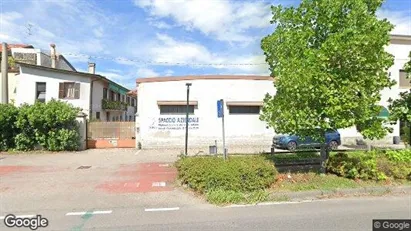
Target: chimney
4, 78
92, 68
53, 55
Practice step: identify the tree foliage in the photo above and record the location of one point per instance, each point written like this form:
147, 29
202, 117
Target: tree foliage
328, 61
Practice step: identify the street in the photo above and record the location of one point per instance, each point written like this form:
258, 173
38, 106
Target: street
338, 214
129, 190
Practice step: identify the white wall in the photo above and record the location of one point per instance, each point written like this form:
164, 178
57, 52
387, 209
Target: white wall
241, 130
26, 86
97, 97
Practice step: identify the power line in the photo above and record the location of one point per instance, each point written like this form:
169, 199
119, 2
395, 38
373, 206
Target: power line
160, 62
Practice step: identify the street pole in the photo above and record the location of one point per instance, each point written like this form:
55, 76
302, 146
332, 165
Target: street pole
188, 104
4, 79
222, 120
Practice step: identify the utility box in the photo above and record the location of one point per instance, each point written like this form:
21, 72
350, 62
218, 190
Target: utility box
213, 149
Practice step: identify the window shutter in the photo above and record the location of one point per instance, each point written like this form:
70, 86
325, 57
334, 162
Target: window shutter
77, 90
61, 90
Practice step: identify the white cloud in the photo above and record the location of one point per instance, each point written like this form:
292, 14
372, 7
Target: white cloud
159, 24
401, 20
146, 72
98, 32
169, 50
168, 72
224, 20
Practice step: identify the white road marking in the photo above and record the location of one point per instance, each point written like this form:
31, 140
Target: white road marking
137, 184
76, 213
161, 209
159, 184
19, 216
163, 165
92, 213
137, 152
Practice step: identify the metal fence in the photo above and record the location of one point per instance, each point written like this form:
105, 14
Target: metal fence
111, 130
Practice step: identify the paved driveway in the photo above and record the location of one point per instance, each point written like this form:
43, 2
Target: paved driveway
91, 180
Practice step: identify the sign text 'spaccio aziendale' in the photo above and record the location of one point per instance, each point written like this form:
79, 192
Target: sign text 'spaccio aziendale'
177, 120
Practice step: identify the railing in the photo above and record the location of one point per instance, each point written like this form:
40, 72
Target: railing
111, 130
113, 105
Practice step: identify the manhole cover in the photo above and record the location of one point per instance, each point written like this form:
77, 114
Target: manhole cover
84, 167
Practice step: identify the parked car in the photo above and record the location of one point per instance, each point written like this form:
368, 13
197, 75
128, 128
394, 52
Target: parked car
293, 142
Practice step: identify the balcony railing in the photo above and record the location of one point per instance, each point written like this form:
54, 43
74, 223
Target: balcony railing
113, 105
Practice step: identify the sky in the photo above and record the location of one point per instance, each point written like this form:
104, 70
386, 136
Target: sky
129, 39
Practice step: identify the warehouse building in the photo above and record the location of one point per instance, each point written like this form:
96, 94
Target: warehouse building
162, 107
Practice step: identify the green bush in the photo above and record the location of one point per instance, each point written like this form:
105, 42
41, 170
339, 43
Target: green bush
371, 165
355, 165
51, 125
239, 174
8, 117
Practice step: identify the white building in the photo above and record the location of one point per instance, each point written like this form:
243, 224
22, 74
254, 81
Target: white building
96, 95
162, 100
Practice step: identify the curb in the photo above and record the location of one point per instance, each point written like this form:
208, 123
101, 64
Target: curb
319, 195
316, 194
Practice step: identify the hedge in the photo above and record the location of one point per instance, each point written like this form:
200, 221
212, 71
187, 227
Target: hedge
374, 165
51, 126
239, 174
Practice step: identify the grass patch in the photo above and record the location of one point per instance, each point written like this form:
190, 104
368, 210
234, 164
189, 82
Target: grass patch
326, 182
223, 197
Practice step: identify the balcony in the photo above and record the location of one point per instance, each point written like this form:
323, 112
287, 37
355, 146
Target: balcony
113, 105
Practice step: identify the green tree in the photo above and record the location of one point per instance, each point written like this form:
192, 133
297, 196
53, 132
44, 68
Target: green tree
400, 109
328, 61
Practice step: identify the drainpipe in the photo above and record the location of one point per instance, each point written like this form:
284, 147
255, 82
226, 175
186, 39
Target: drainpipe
4, 79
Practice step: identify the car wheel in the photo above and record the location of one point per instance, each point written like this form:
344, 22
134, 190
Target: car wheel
333, 145
292, 146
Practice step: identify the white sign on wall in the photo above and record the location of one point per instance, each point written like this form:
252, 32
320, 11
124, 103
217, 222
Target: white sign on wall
174, 123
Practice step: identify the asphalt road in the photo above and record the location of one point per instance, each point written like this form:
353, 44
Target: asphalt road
336, 214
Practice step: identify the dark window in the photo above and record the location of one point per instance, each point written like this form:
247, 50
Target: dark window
98, 115
118, 97
128, 100
404, 82
121, 118
112, 97
244, 109
105, 93
108, 116
129, 118
122, 98
176, 109
41, 92
69, 90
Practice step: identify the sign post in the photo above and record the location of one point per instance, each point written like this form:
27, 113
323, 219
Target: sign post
220, 114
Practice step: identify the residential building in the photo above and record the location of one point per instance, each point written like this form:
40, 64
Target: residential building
98, 97
161, 117
28, 54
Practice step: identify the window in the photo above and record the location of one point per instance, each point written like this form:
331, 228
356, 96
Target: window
69, 90
118, 97
98, 115
41, 92
112, 96
133, 102
108, 116
244, 109
122, 98
129, 118
105, 93
128, 100
121, 118
176, 109
404, 82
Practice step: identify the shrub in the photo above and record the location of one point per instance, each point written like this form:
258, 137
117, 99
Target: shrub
375, 165
239, 174
8, 116
51, 125
354, 165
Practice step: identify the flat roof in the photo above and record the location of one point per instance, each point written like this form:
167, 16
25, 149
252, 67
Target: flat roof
202, 77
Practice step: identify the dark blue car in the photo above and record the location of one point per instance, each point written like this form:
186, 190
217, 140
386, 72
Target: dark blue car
293, 142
